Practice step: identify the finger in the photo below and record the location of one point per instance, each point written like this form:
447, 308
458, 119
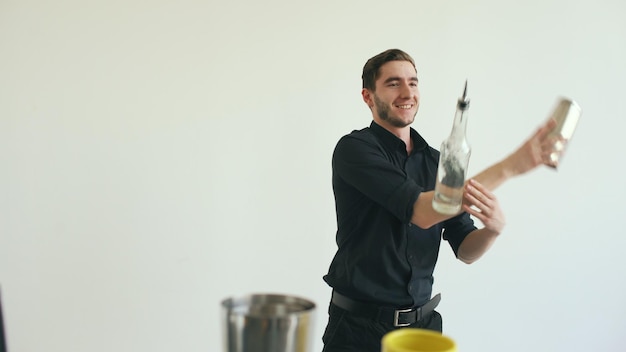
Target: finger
554, 144
559, 144
480, 199
474, 212
545, 129
484, 210
549, 125
552, 149
480, 191
477, 204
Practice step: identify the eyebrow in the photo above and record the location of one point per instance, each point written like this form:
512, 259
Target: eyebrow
396, 78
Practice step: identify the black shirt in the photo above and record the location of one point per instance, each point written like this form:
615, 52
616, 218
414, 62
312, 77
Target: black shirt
382, 257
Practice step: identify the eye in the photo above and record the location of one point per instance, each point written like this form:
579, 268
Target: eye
393, 84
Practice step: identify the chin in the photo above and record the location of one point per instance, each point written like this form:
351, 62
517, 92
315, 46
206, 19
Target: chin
400, 123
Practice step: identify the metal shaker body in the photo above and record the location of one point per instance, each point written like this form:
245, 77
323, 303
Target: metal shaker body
566, 113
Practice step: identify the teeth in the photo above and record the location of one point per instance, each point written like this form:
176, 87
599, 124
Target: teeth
404, 106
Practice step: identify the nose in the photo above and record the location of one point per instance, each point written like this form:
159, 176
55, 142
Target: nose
407, 91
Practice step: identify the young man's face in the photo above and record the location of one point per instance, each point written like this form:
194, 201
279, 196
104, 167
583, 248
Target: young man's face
396, 100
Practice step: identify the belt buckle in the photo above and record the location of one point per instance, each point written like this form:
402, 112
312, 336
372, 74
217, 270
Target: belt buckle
397, 316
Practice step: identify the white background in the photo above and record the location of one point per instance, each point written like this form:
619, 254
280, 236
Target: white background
159, 156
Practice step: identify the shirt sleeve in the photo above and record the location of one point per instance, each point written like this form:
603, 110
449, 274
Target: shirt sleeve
364, 164
456, 229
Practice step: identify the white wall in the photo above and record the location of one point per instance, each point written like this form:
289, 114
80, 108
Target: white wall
159, 156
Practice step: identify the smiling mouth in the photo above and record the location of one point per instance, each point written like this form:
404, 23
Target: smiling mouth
405, 106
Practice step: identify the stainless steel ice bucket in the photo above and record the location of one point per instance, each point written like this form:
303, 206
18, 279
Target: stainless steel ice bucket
267, 323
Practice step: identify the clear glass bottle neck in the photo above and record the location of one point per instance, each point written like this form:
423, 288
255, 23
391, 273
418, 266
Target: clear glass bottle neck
460, 123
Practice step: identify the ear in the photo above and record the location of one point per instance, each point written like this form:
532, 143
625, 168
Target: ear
367, 97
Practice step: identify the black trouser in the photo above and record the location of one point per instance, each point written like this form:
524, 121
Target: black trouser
346, 332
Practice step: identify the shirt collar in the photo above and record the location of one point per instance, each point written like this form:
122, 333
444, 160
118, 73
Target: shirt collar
393, 142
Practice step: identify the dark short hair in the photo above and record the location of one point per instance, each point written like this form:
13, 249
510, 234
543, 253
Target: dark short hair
371, 70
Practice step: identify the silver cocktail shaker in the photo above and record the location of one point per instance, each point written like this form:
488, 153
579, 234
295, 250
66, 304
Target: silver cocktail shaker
566, 113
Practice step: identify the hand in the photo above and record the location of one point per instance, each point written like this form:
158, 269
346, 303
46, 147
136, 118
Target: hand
558, 144
481, 203
539, 149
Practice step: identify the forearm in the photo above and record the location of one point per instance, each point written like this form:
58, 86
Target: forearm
527, 157
424, 215
476, 244
495, 175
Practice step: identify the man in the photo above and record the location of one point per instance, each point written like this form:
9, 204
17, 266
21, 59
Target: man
388, 234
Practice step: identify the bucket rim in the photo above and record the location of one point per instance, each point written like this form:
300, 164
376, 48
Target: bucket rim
238, 304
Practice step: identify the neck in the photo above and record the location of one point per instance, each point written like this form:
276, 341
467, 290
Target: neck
408, 142
405, 135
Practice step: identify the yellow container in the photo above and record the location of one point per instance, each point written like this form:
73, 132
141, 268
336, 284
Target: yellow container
417, 340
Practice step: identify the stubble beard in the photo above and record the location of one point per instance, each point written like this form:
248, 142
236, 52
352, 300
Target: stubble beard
384, 112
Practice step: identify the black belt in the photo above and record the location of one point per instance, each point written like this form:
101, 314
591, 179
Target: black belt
399, 317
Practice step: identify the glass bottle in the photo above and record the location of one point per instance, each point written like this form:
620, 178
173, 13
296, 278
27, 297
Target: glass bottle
453, 161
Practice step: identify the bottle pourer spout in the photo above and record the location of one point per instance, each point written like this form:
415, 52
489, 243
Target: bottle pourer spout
463, 102
465, 91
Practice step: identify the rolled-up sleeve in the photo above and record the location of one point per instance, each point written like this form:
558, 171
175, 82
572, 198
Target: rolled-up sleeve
456, 229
